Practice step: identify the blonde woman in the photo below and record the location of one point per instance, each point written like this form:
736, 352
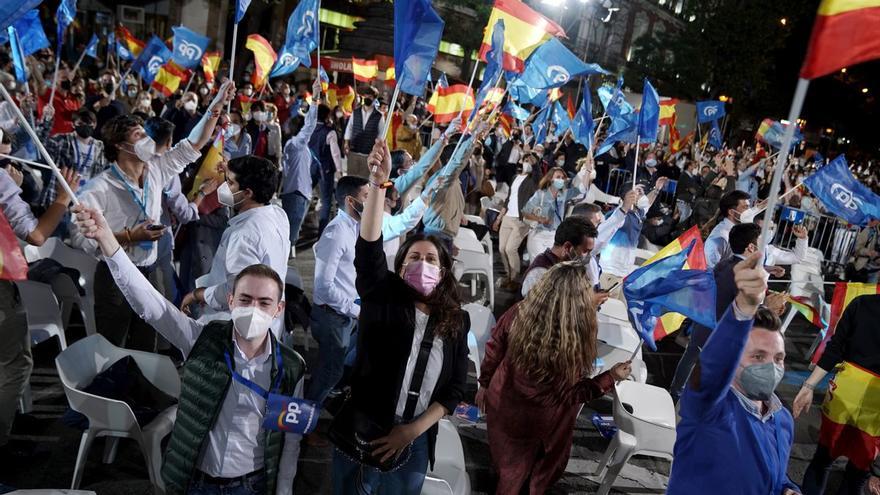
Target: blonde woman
546, 208
535, 376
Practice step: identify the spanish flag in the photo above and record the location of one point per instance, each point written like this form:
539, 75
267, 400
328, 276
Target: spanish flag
569, 107
803, 306
851, 416
341, 96
524, 31
134, 45
389, 76
168, 79
844, 293
264, 59
364, 70
208, 169
13, 266
244, 103
667, 111
210, 64
447, 103
844, 34
670, 322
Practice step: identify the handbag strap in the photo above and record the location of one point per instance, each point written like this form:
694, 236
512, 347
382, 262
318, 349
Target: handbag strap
415, 384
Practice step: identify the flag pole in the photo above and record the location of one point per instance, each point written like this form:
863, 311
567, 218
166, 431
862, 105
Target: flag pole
636, 162
26, 162
76, 67
59, 45
794, 113
42, 149
390, 115
232, 59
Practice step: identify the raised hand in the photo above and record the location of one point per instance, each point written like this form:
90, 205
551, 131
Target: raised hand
751, 282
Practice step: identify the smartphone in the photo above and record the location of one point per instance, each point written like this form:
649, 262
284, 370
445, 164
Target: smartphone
611, 289
155, 226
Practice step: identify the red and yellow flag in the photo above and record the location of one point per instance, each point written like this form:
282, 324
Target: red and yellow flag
134, 45
208, 169
168, 79
341, 96
803, 306
13, 266
264, 59
390, 78
667, 111
364, 70
210, 64
447, 103
670, 322
569, 107
844, 293
524, 31
244, 102
850, 425
844, 34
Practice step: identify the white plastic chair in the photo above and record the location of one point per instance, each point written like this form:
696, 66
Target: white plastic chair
42, 310
473, 259
449, 476
476, 219
643, 255
482, 322
55, 249
77, 367
648, 430
614, 308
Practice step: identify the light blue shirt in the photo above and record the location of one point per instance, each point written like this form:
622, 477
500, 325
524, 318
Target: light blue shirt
297, 158
717, 247
746, 182
447, 176
406, 181
334, 265
18, 212
238, 150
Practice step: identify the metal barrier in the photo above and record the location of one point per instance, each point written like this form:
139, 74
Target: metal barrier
619, 182
834, 237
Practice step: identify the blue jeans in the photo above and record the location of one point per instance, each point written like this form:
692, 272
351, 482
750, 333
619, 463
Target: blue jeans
296, 206
253, 486
333, 333
350, 477
327, 186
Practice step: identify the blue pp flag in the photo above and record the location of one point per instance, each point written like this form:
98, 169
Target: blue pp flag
189, 46
11, 12
842, 194
776, 132
17, 56
92, 48
613, 101
64, 16
518, 112
290, 414
708, 111
151, 59
818, 159
524, 94
302, 39
241, 7
649, 114
560, 119
417, 33
663, 286
322, 75
495, 55
31, 36
552, 65
539, 125
623, 129
714, 138
122, 52
582, 125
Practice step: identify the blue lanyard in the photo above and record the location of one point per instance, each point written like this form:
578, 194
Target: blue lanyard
80, 166
141, 202
253, 386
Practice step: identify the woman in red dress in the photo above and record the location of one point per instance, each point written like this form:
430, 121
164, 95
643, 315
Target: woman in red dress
535, 376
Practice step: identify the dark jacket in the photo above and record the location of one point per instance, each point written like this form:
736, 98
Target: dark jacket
385, 333
725, 293
526, 190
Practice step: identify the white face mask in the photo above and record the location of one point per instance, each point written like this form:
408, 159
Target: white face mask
259, 116
189, 106
226, 197
233, 130
145, 102
251, 322
144, 149
248, 92
593, 174
527, 168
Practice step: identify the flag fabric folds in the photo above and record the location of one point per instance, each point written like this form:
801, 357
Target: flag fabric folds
390, 76
494, 61
210, 64
665, 286
168, 79
526, 30
623, 129
569, 107
324, 78
63, 17
17, 56
771, 132
92, 48
417, 33
301, 40
844, 293
12, 11
13, 265
804, 306
613, 101
849, 416
342, 96
208, 169
714, 139
552, 65
152, 58
31, 36
539, 125
241, 7
364, 70
442, 81
708, 111
649, 114
450, 102
264, 58
667, 111
842, 194
560, 119
582, 124
189, 47
516, 111
844, 34
130, 42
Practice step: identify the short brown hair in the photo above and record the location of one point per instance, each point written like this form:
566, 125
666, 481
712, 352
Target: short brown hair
263, 271
767, 319
116, 131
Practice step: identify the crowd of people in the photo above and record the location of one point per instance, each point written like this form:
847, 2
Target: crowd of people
199, 268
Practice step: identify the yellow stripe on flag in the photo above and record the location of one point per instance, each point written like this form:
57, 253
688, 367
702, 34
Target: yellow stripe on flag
855, 399
835, 7
264, 58
208, 169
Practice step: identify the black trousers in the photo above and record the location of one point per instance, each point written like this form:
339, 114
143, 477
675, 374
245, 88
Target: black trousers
114, 317
816, 476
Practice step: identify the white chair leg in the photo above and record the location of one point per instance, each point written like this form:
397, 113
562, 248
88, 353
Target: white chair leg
608, 456
621, 457
787, 322
153, 456
26, 401
110, 449
81, 457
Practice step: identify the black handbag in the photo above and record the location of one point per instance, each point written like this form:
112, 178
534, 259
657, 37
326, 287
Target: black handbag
352, 431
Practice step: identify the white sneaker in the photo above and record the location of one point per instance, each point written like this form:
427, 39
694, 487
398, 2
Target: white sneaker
293, 252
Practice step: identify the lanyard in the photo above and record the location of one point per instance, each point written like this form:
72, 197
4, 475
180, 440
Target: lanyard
141, 202
253, 386
81, 166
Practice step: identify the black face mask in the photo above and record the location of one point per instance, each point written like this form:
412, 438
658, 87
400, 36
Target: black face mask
84, 131
65, 85
368, 102
108, 88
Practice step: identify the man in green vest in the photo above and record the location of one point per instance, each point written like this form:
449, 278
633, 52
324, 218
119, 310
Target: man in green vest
218, 444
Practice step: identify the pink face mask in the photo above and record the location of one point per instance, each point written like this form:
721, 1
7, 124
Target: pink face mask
422, 276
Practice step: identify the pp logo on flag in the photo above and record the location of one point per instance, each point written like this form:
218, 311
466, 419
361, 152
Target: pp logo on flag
557, 74
154, 64
845, 197
189, 50
307, 27
287, 59
710, 111
291, 415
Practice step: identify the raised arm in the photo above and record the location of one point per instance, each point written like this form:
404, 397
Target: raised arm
202, 132
406, 181
403, 222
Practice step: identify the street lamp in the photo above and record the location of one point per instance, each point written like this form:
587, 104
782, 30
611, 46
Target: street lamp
864, 90
783, 21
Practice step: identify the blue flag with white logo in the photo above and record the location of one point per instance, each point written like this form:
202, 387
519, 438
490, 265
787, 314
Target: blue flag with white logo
613, 101
776, 132
649, 114
624, 129
302, 39
495, 56
64, 16
560, 119
582, 125
241, 7
842, 194
92, 48
662, 287
714, 139
418, 30
151, 59
189, 46
708, 111
552, 65
518, 112
31, 36
122, 51
818, 159
17, 56
539, 125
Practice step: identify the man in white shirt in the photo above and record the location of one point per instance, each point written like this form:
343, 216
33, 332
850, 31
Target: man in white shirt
361, 132
130, 191
259, 233
731, 206
218, 442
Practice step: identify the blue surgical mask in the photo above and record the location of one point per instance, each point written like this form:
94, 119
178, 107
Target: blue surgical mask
650, 162
559, 183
